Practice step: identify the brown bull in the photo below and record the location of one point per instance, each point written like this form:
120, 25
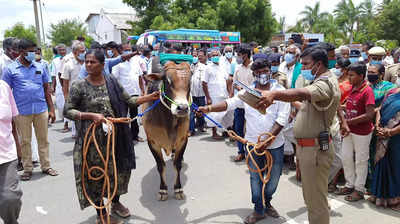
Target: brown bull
167, 125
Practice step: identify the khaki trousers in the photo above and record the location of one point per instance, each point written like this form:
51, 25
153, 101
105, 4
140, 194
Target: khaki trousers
40, 125
315, 165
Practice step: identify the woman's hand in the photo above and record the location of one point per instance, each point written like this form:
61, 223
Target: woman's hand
98, 118
383, 132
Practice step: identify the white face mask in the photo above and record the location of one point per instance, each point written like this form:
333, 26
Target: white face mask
263, 79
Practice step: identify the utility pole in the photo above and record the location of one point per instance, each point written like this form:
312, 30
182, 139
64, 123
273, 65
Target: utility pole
41, 19
39, 42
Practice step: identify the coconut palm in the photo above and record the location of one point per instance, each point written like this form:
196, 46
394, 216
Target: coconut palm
347, 16
311, 16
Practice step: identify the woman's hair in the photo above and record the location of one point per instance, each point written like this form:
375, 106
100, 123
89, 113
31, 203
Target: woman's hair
98, 54
380, 67
359, 67
343, 62
260, 63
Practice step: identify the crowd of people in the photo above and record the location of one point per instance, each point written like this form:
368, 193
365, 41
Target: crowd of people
333, 111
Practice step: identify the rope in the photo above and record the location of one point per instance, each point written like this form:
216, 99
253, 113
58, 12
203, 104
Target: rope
90, 138
164, 95
259, 149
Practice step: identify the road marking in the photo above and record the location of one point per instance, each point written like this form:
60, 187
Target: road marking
40, 210
335, 204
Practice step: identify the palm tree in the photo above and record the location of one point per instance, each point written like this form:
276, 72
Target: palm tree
328, 26
282, 24
298, 28
347, 17
311, 16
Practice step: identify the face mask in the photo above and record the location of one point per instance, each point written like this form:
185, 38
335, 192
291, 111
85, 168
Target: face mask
289, 58
331, 64
81, 56
338, 72
154, 53
110, 53
375, 62
30, 56
37, 57
263, 79
195, 60
372, 78
353, 60
228, 55
274, 69
215, 59
127, 52
307, 74
364, 55
239, 60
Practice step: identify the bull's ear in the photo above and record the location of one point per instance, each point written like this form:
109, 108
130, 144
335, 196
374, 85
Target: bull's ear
153, 77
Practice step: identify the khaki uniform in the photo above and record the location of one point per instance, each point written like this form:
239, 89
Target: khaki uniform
392, 73
314, 117
281, 78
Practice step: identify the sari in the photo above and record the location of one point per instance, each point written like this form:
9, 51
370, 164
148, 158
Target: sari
385, 186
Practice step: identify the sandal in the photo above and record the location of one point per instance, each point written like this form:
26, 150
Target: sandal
355, 196
344, 191
332, 188
271, 211
372, 199
239, 158
396, 208
253, 218
65, 130
120, 210
50, 172
26, 176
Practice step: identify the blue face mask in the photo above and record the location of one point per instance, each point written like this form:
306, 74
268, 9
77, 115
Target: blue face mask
81, 56
127, 52
274, 69
228, 55
338, 72
30, 56
307, 74
375, 62
289, 58
364, 55
110, 53
331, 64
195, 60
215, 59
353, 60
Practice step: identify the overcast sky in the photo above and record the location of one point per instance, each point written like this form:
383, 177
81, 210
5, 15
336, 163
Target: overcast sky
13, 11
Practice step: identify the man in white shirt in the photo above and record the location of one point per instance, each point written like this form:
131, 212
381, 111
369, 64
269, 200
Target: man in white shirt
287, 67
70, 73
272, 122
196, 90
243, 74
215, 89
128, 74
229, 63
10, 53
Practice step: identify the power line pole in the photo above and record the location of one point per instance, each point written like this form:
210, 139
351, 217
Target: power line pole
39, 42
41, 19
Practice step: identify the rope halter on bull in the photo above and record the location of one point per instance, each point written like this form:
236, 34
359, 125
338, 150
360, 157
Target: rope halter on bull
259, 149
164, 95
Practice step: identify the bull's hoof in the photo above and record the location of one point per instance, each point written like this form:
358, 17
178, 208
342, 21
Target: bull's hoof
179, 195
162, 195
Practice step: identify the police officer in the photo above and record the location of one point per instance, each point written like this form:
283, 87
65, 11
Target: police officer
393, 71
311, 129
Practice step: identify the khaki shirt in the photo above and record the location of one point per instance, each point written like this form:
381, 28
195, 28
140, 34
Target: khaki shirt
392, 73
318, 114
281, 78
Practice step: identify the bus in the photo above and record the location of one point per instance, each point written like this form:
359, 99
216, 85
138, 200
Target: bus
189, 37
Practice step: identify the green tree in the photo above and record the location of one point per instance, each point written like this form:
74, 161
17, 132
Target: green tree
347, 16
388, 21
312, 16
19, 31
68, 30
298, 28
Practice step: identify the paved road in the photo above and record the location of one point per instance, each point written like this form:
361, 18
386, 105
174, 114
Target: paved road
217, 190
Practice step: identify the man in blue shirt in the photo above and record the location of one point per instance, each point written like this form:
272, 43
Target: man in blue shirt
29, 81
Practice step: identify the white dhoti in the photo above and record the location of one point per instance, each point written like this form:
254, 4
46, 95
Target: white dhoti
289, 138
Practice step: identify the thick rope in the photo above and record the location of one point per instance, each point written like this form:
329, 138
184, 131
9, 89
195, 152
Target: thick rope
260, 149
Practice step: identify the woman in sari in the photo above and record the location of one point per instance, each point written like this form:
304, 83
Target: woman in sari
92, 100
385, 186
380, 88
